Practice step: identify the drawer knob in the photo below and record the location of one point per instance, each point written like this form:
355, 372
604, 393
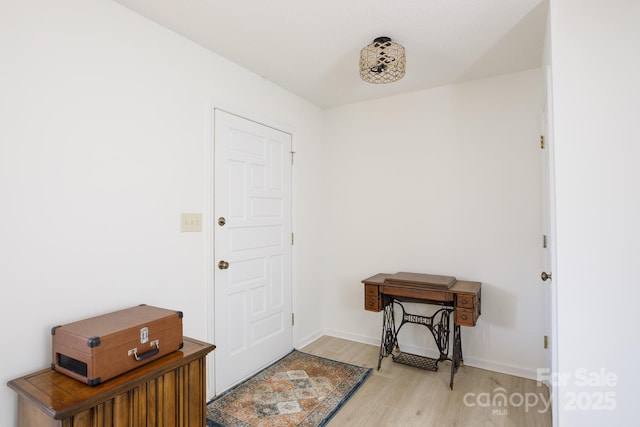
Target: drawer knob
464, 317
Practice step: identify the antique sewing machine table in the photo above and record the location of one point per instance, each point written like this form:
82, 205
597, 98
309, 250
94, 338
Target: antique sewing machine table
461, 299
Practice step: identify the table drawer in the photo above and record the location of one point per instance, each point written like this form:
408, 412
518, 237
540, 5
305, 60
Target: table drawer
466, 300
466, 316
370, 290
417, 293
372, 304
372, 299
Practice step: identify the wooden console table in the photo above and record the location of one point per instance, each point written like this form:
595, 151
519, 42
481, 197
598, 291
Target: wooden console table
462, 300
168, 392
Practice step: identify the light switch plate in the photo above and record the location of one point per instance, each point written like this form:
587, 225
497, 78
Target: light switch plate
190, 222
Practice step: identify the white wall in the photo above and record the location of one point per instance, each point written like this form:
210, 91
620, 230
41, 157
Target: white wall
445, 181
104, 130
596, 65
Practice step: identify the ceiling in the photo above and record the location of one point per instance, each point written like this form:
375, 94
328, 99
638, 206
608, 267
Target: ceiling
311, 48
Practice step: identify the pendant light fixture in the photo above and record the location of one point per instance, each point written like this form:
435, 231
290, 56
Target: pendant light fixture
383, 61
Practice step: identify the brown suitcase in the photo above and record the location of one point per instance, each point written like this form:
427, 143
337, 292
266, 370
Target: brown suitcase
97, 349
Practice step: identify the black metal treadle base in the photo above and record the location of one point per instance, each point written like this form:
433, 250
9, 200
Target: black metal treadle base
416, 361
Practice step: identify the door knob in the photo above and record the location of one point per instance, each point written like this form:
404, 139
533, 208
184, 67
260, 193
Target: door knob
545, 276
223, 265
222, 221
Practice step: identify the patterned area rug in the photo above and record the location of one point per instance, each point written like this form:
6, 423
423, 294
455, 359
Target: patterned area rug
298, 390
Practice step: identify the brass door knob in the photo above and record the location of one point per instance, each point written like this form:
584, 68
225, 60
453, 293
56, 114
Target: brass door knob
223, 265
222, 221
545, 276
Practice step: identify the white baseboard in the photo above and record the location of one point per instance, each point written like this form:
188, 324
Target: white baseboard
490, 365
309, 339
503, 368
353, 337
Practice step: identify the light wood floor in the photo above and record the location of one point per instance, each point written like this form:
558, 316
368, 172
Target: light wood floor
403, 396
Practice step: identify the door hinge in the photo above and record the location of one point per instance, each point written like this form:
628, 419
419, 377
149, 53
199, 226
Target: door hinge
292, 156
546, 341
544, 241
292, 239
293, 320
542, 142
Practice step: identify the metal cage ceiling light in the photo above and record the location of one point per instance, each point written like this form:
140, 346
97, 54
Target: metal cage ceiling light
383, 61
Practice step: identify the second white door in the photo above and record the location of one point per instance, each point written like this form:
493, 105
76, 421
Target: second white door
252, 280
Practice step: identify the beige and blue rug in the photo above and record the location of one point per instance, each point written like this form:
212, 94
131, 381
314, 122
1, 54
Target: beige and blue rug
298, 390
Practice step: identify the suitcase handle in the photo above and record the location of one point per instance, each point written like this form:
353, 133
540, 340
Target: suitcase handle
146, 355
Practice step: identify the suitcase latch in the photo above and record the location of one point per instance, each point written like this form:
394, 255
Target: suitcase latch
144, 335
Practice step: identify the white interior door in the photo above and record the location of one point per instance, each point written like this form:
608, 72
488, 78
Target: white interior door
252, 249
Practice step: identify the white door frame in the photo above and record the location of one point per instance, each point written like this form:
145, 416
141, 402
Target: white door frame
208, 221
552, 309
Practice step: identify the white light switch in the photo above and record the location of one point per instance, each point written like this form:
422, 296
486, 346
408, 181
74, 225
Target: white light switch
190, 222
